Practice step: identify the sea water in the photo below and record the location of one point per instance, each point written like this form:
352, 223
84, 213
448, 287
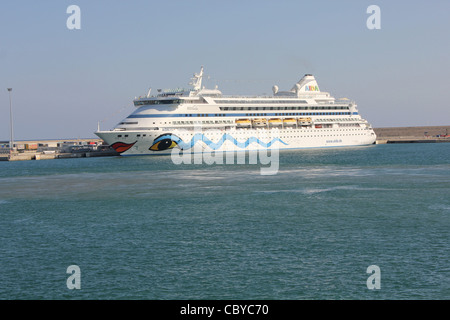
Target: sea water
145, 228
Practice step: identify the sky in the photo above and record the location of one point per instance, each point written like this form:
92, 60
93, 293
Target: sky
66, 81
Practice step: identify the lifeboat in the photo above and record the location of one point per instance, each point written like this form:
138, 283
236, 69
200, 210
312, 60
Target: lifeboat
305, 121
243, 123
258, 123
289, 122
275, 122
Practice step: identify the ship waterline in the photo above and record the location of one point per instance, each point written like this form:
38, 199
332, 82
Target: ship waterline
204, 120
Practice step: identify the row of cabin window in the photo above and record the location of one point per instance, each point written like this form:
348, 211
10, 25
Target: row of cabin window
282, 108
203, 122
276, 114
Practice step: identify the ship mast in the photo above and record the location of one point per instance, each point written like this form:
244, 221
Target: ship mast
196, 81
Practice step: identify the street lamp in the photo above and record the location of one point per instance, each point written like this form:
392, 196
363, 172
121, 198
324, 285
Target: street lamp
11, 143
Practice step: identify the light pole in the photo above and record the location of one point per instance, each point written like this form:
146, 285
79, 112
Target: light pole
11, 143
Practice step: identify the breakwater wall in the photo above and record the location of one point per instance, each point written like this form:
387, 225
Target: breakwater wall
423, 134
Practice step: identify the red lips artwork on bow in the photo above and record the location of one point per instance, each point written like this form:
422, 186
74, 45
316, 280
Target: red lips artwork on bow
121, 146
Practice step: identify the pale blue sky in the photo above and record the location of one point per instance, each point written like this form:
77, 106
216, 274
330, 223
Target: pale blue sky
65, 81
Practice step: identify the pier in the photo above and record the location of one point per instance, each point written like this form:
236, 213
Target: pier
55, 149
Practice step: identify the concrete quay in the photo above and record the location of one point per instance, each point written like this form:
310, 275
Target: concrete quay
55, 149
44, 156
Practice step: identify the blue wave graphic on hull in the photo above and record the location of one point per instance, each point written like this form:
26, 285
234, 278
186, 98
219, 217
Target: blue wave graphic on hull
215, 145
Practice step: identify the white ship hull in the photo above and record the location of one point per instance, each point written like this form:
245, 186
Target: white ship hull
237, 140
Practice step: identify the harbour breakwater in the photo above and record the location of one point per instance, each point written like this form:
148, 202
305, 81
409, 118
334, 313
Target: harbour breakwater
422, 134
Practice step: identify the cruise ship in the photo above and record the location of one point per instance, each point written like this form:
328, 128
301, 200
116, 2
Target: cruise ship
204, 120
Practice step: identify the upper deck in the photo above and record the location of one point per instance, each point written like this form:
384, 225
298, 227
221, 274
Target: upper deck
304, 92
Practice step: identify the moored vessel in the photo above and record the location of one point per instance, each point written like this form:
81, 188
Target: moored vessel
303, 117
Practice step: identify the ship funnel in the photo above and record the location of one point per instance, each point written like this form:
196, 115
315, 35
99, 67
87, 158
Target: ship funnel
306, 84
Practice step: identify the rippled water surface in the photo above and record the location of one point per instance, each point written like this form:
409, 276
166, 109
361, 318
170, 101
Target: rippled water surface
145, 228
